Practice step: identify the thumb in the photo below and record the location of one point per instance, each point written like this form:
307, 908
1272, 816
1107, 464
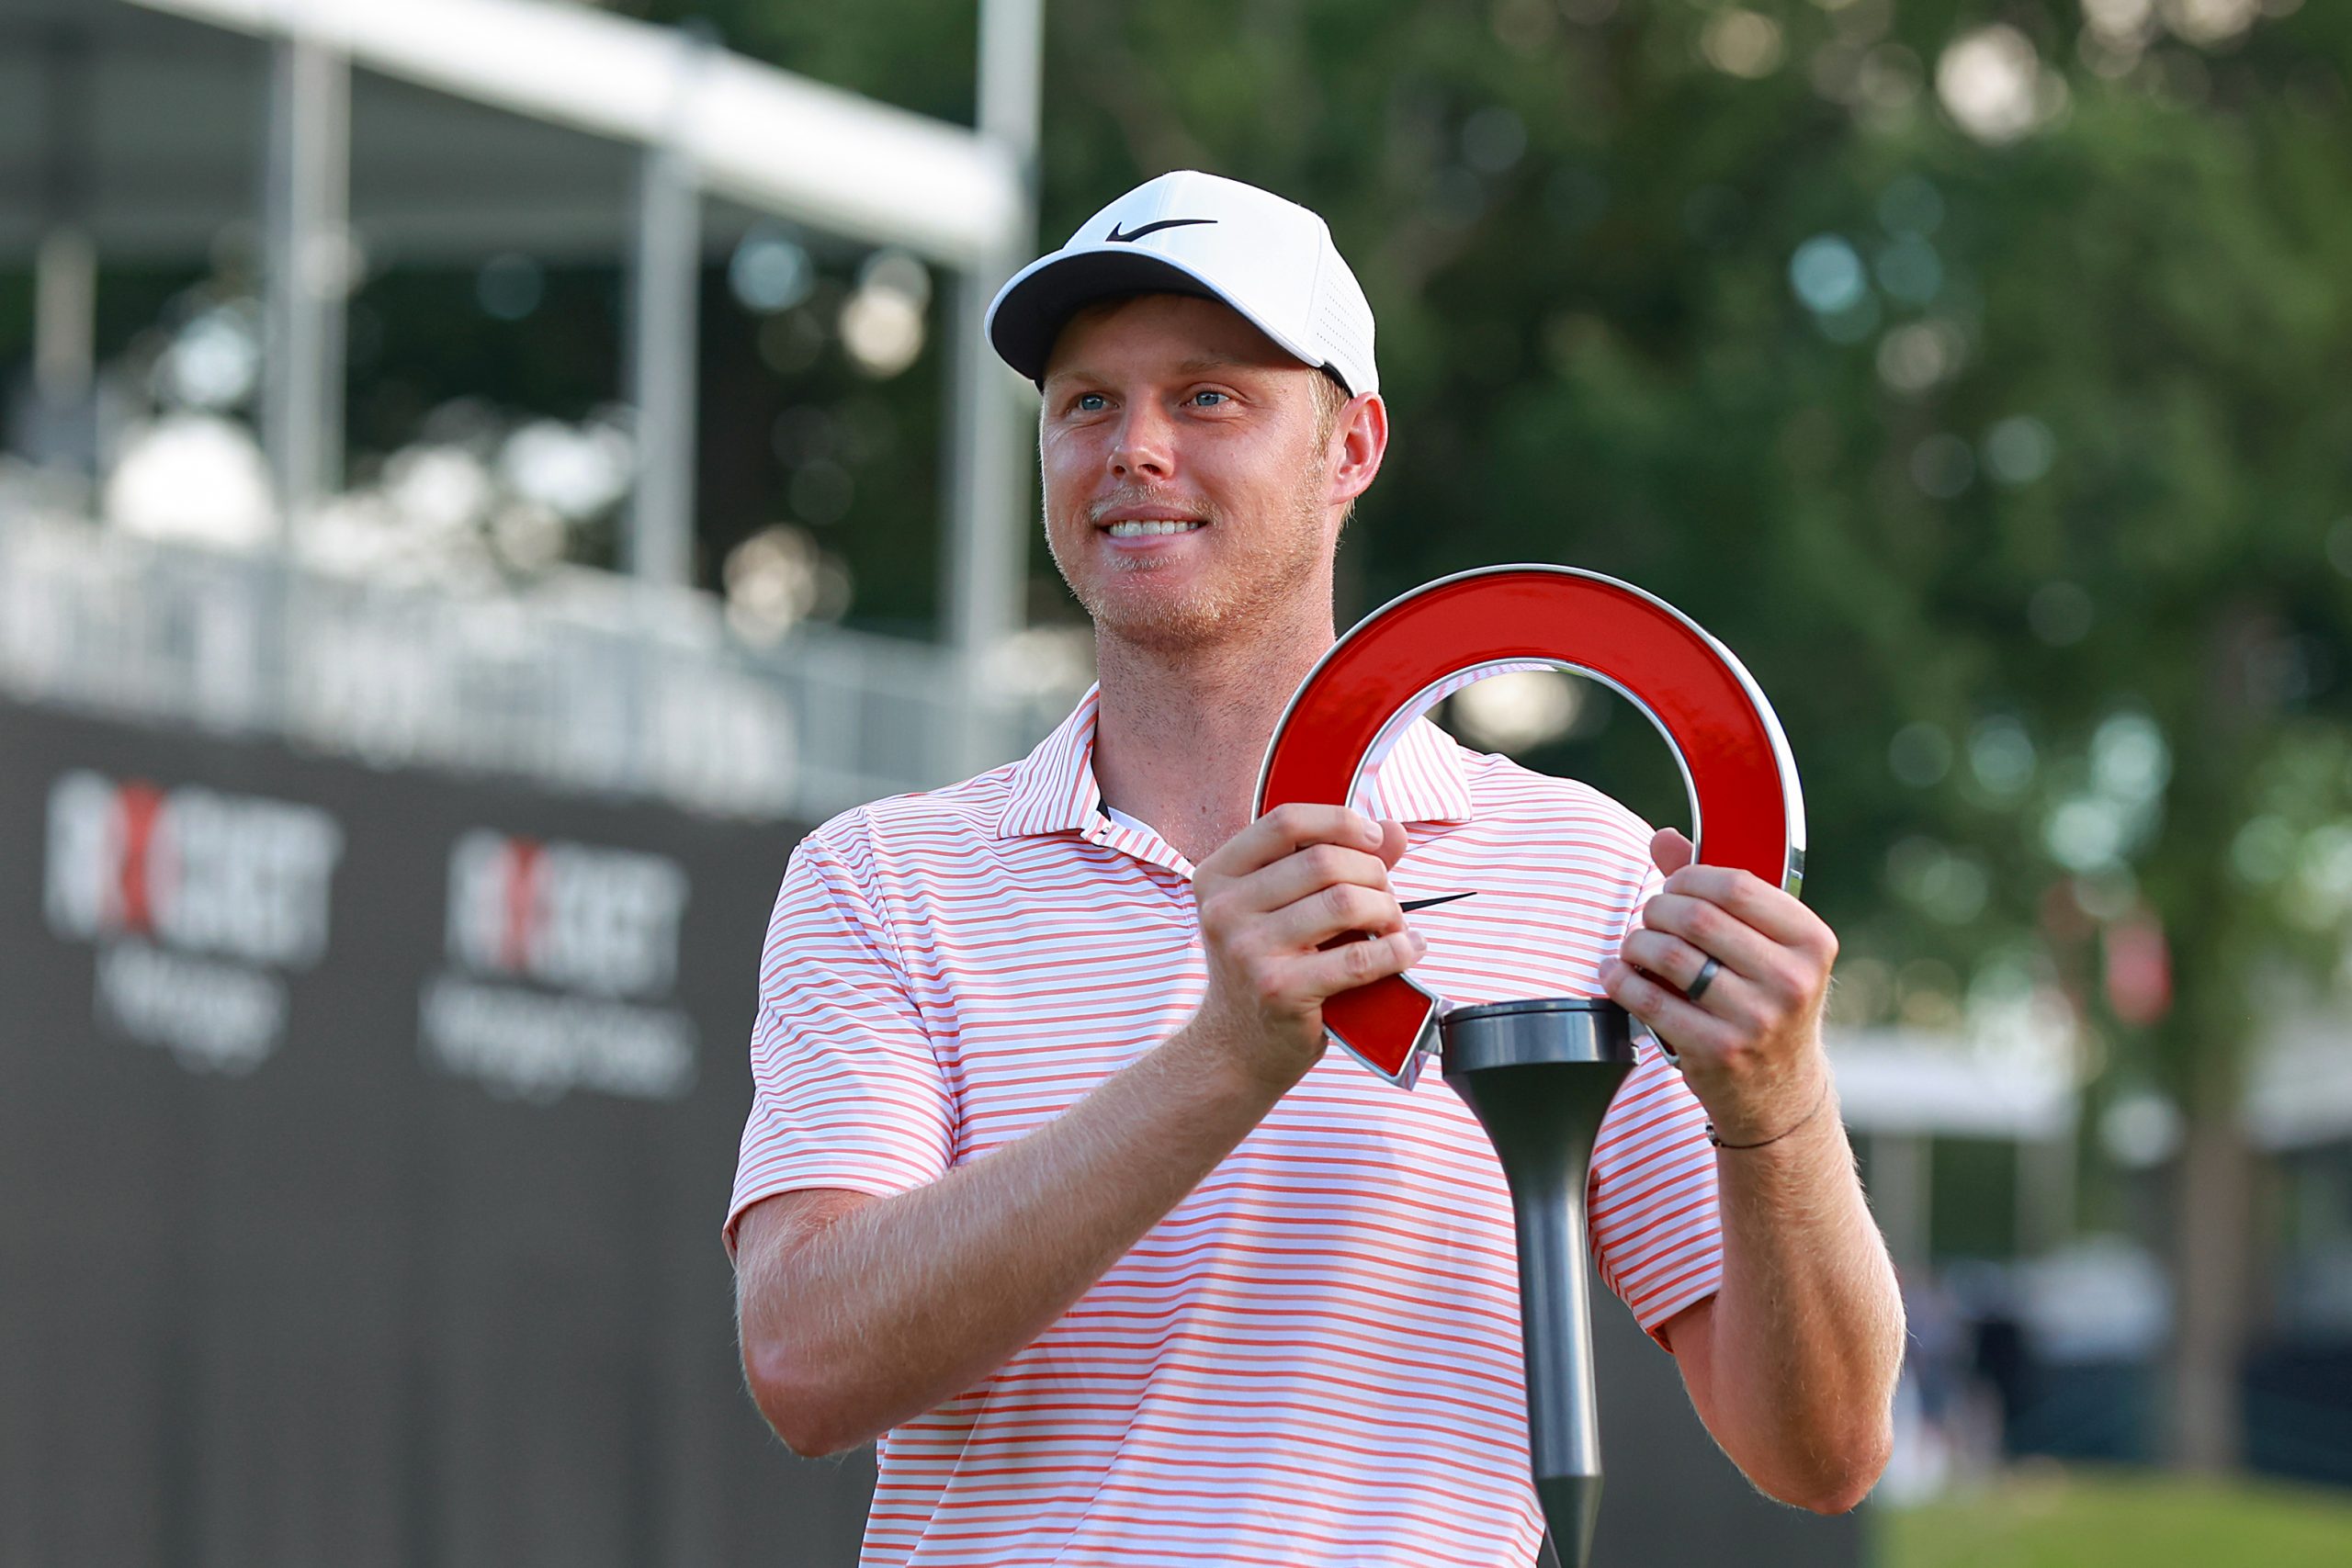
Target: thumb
1392, 842
1670, 850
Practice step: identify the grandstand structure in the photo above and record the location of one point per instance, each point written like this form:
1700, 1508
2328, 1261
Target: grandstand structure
451, 131
464, 867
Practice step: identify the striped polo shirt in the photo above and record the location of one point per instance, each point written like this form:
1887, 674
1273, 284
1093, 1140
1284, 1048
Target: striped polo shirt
1313, 1359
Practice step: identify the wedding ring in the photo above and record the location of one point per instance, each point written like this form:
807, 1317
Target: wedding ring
1702, 980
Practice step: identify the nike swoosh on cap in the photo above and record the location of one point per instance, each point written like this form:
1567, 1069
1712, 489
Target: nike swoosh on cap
1118, 237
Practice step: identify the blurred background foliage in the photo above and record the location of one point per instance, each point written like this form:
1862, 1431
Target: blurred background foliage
1976, 371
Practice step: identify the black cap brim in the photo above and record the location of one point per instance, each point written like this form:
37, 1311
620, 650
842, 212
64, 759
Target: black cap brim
1034, 311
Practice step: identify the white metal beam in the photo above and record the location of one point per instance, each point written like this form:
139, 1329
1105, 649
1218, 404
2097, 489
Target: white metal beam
65, 293
306, 273
763, 137
665, 313
988, 507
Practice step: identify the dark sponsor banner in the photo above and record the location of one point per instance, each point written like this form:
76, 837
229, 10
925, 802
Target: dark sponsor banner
364, 1141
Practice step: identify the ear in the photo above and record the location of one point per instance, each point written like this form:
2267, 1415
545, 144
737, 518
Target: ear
1360, 438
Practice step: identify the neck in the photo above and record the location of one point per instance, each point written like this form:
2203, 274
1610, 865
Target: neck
1178, 734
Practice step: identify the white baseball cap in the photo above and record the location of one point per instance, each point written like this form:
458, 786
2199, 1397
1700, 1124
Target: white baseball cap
1193, 233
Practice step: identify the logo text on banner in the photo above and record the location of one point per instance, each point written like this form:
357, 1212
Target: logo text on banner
563, 959
194, 899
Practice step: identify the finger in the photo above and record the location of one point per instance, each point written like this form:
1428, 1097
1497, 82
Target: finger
1335, 910
1716, 932
1290, 827
1325, 974
1309, 871
1729, 994
1670, 852
1757, 903
1393, 842
1689, 1030
1674, 961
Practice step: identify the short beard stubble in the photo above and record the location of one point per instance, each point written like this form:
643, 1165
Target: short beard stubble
1260, 579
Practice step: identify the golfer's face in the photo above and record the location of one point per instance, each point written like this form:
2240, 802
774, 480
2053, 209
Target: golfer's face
1184, 482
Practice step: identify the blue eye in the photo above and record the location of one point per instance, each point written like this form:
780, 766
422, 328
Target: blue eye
1090, 402
1206, 393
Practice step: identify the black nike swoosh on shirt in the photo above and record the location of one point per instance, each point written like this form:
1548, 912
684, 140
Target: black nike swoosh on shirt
1118, 237
1407, 908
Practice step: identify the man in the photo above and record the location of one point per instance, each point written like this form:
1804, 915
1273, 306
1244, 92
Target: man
1049, 1182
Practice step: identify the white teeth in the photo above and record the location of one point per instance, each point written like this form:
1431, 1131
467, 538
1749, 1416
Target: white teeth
1149, 530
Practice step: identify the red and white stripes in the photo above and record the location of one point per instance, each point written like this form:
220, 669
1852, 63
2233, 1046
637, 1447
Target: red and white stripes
1313, 1359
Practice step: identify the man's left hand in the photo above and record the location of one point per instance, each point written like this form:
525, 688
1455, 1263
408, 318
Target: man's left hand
1750, 1045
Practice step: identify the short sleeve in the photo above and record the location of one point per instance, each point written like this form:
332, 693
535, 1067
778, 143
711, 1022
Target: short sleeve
845, 1089
1650, 1203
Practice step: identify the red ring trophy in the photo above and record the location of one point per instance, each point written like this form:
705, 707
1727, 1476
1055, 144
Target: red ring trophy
1539, 1074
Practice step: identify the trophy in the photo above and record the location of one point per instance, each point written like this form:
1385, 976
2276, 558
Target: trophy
1539, 1073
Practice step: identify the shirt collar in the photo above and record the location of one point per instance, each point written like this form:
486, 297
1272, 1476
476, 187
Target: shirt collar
1420, 778
1053, 787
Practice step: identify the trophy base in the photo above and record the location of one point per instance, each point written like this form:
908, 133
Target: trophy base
1539, 1075
1571, 1508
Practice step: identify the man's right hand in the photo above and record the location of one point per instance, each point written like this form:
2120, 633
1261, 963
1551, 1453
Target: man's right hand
860, 1313
1271, 899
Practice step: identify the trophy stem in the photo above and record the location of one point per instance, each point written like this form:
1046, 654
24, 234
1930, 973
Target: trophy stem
1539, 1075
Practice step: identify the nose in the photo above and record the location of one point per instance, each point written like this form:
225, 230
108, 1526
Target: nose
1145, 448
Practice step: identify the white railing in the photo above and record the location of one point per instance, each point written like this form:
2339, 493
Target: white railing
583, 681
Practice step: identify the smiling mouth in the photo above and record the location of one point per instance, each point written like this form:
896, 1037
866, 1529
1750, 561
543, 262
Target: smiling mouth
1151, 529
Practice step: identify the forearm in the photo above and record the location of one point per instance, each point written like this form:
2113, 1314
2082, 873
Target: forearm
1805, 1337
901, 1305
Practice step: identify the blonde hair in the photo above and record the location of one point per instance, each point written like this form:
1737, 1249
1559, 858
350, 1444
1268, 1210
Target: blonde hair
1330, 396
